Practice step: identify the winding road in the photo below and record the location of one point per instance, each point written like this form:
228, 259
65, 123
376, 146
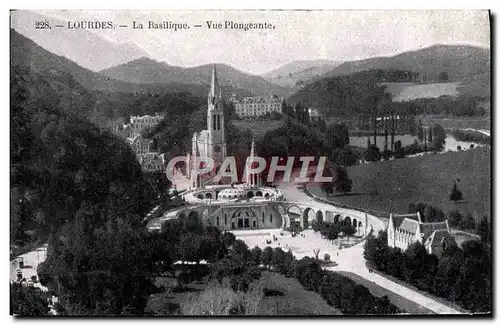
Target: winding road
351, 260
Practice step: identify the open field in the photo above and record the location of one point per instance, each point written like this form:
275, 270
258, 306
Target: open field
258, 127
392, 185
478, 123
407, 91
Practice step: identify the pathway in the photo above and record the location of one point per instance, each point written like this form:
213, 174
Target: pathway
352, 260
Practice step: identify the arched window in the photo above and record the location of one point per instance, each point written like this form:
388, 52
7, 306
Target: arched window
271, 218
263, 217
225, 218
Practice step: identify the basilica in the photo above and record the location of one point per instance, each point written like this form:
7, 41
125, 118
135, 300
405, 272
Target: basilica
210, 142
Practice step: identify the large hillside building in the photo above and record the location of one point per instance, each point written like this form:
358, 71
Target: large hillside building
257, 106
136, 125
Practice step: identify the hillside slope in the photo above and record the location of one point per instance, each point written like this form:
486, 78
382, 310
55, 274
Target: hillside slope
460, 62
149, 71
304, 71
26, 53
79, 45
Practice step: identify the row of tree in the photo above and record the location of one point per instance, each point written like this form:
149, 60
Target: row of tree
341, 292
332, 231
462, 275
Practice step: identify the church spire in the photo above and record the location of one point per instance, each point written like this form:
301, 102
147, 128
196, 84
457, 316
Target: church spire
252, 150
251, 179
214, 85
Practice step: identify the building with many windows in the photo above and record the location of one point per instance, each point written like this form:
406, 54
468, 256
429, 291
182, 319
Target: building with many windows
151, 161
257, 106
136, 125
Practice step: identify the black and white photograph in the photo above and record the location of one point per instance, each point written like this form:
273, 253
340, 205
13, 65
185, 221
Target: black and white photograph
239, 163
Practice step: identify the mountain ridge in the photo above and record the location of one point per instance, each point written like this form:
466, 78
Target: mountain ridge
146, 70
79, 45
24, 52
299, 71
459, 61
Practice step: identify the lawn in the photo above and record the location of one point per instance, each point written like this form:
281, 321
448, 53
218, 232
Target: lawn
258, 127
295, 299
289, 297
392, 185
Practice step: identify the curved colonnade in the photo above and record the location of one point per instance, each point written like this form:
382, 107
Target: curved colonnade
242, 207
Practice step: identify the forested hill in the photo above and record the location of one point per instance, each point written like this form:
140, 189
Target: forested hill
62, 165
349, 95
26, 53
148, 71
460, 62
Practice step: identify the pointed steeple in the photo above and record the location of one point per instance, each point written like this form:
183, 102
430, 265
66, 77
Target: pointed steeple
252, 149
214, 85
251, 178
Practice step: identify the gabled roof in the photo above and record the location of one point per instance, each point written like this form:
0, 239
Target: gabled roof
138, 137
409, 225
398, 218
438, 236
427, 228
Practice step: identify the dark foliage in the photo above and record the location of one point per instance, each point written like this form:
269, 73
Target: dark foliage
462, 275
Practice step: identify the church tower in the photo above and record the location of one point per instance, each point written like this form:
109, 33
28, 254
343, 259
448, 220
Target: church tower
215, 122
252, 179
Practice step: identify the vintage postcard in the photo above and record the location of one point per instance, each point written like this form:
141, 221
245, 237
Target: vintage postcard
250, 163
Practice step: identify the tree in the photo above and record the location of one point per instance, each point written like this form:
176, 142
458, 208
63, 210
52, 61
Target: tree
454, 218
267, 256
456, 194
443, 76
189, 247
348, 229
484, 230
228, 238
256, 254
337, 135
341, 180
28, 301
420, 131
439, 137
240, 249
278, 259
373, 153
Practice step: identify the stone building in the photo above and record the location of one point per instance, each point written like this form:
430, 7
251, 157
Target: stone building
139, 144
210, 142
136, 125
151, 161
257, 106
406, 229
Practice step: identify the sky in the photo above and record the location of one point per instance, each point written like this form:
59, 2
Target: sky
298, 35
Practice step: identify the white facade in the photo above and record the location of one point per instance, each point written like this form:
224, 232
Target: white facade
257, 106
406, 229
136, 125
211, 142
